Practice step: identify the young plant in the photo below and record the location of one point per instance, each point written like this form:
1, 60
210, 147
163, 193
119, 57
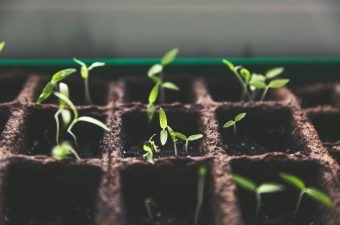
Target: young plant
310, 191
48, 89
2, 45
148, 202
202, 172
173, 138
187, 139
164, 135
84, 71
77, 119
61, 151
233, 122
250, 185
273, 84
149, 147
152, 99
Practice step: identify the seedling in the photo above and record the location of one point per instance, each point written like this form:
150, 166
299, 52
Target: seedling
187, 139
2, 45
173, 138
202, 172
163, 123
250, 185
273, 84
84, 71
77, 119
149, 147
148, 202
310, 191
61, 151
152, 99
48, 89
233, 122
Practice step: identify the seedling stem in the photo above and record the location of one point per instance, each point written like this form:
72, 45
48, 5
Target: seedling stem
233, 122
148, 202
202, 171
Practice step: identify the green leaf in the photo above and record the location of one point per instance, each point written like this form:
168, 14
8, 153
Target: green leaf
150, 111
93, 121
169, 56
258, 84
229, 64
162, 119
62, 74
257, 77
156, 79
63, 89
195, 137
270, 188
319, 196
244, 182
149, 156
274, 72
80, 62
278, 83
240, 117
245, 74
228, 124
2, 45
202, 171
68, 101
66, 117
170, 130
47, 91
96, 64
154, 93
59, 152
164, 137
293, 180
147, 148
170, 85
180, 136
84, 72
155, 69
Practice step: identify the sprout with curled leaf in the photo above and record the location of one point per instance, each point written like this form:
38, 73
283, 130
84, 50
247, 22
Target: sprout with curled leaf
84, 71
77, 119
233, 122
187, 139
149, 147
309, 191
202, 172
2, 45
62, 150
250, 185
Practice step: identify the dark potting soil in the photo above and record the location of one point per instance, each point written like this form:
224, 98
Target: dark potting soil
10, 86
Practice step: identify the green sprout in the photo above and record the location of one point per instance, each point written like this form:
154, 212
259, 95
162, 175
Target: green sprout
65, 113
2, 45
149, 147
48, 89
173, 138
250, 185
187, 139
163, 123
77, 119
202, 172
158, 69
310, 191
273, 84
148, 202
84, 71
233, 122
152, 99
61, 151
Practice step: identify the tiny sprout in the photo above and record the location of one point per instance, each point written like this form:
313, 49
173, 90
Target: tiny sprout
190, 138
61, 151
273, 84
77, 119
2, 45
173, 138
152, 99
202, 172
310, 191
250, 185
148, 202
163, 123
84, 71
233, 122
149, 147
48, 89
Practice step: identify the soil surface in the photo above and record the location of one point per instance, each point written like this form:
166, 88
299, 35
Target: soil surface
11, 86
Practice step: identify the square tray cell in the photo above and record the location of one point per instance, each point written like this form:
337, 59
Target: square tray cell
172, 186
49, 194
40, 133
11, 84
263, 129
278, 208
229, 89
319, 94
136, 130
138, 90
98, 91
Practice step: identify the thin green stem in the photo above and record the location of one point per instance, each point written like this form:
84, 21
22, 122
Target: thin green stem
175, 148
258, 203
264, 93
200, 192
245, 90
162, 91
147, 203
70, 132
57, 124
186, 146
88, 99
73, 152
298, 202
